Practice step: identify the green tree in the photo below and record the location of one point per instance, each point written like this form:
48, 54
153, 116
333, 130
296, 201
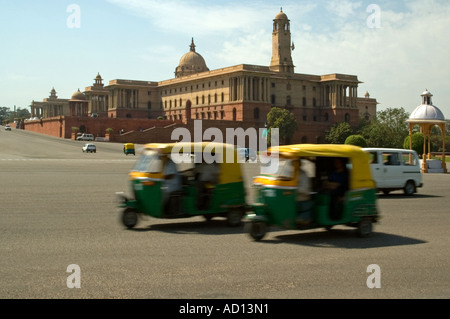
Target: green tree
388, 129
339, 133
4, 114
285, 121
357, 140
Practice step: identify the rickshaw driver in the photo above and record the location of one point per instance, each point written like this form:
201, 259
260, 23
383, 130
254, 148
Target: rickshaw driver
304, 203
208, 175
337, 184
172, 185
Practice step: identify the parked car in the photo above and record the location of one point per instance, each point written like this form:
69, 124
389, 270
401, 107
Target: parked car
85, 137
89, 148
7, 127
395, 169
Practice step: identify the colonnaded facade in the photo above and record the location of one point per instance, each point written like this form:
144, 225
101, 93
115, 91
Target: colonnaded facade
236, 95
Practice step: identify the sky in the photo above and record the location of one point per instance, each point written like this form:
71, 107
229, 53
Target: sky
398, 49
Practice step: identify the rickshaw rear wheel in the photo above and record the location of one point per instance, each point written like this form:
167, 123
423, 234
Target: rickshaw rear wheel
234, 217
129, 218
256, 230
364, 228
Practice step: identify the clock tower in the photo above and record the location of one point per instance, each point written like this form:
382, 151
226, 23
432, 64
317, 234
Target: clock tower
281, 45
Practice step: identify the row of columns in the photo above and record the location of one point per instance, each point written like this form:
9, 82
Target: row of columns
125, 98
249, 88
99, 103
335, 95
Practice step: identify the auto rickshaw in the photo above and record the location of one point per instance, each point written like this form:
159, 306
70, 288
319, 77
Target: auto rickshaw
153, 179
276, 191
128, 148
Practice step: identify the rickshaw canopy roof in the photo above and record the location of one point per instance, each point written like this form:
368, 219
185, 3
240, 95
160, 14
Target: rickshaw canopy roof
361, 176
225, 154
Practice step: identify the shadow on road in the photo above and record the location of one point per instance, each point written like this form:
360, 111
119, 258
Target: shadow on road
401, 195
344, 238
212, 227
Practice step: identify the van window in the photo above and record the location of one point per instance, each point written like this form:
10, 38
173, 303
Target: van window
409, 159
391, 159
373, 158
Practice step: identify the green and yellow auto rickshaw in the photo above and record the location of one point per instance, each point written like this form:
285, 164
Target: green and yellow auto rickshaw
341, 190
128, 148
183, 180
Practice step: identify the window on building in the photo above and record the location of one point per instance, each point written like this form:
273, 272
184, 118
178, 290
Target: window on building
304, 101
256, 113
234, 114
347, 117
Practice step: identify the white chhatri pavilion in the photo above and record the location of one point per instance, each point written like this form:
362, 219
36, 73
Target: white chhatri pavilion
427, 116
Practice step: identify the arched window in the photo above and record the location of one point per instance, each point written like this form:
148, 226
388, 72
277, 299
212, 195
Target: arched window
234, 114
347, 118
256, 113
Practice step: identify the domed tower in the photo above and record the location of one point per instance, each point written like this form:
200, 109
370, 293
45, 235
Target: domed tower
281, 45
78, 104
191, 63
427, 116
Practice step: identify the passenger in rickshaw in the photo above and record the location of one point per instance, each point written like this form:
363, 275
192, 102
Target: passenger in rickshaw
172, 187
207, 175
337, 185
304, 202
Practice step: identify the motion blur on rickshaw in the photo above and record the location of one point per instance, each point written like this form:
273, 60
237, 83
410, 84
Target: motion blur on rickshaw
311, 186
181, 180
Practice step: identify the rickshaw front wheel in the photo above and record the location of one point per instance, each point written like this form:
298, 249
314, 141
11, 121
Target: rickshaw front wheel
364, 227
256, 230
129, 217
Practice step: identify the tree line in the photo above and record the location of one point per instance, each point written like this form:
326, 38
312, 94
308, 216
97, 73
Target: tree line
388, 129
8, 116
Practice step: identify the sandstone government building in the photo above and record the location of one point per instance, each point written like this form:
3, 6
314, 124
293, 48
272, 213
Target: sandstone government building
230, 97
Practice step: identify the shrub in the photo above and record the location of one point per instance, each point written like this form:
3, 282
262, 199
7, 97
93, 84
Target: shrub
357, 140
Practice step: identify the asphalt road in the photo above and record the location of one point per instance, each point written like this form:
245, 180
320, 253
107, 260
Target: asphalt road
57, 208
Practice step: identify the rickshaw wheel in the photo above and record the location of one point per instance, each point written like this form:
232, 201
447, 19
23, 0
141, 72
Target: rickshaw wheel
364, 227
257, 230
129, 218
234, 217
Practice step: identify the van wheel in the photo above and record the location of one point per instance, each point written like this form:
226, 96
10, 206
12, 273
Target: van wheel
129, 218
364, 228
410, 188
256, 230
234, 217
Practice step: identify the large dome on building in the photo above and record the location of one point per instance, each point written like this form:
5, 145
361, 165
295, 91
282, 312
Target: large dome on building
427, 111
191, 63
78, 96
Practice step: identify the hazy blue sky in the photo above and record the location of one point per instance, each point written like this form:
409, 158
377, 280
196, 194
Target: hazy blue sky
397, 54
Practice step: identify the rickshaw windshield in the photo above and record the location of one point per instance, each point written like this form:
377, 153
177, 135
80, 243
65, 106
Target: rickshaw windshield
149, 162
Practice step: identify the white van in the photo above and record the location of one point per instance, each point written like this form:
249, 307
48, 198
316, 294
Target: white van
394, 169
